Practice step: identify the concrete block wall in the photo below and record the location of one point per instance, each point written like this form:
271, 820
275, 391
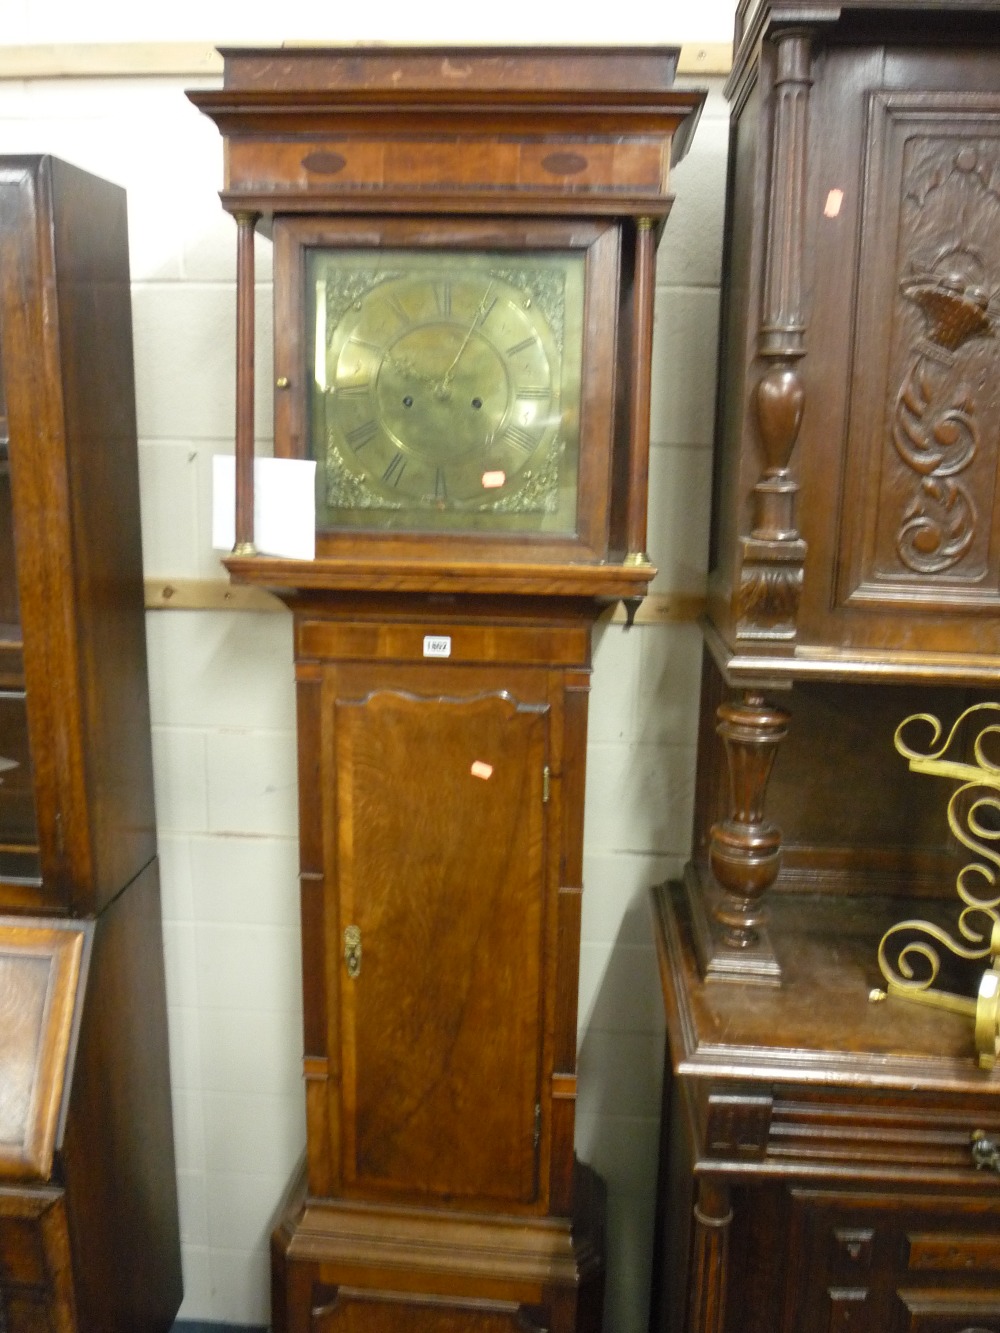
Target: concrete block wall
222, 693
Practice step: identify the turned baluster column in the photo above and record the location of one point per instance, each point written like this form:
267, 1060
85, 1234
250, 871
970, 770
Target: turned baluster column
246, 223
773, 555
745, 848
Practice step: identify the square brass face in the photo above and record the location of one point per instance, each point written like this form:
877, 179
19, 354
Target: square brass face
445, 388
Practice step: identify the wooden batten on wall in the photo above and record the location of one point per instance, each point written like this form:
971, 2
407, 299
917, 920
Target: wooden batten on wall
220, 595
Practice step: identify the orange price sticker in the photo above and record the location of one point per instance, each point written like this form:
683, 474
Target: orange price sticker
481, 770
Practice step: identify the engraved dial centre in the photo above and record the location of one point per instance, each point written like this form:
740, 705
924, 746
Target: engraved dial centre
440, 394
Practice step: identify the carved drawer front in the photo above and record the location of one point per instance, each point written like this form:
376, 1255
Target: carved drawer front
884, 1263
36, 1294
937, 1312
954, 1252
920, 515
353, 1311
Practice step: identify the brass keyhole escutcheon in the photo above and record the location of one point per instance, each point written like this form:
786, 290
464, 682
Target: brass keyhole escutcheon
352, 950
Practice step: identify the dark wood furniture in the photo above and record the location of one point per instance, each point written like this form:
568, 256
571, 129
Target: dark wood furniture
89, 1235
818, 1166
434, 211
855, 575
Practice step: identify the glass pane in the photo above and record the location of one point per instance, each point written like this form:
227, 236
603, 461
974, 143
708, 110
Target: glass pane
446, 388
9, 614
19, 858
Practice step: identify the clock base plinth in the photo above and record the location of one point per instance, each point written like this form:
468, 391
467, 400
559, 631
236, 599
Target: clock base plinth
753, 965
365, 1267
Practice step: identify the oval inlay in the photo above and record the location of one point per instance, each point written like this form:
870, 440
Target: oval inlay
564, 164
324, 163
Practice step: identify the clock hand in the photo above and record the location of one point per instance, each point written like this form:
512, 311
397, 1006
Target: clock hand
406, 367
481, 313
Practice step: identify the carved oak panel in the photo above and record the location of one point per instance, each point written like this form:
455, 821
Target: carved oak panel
923, 439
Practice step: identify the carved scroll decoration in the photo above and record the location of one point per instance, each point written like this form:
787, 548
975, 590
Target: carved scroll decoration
950, 231
773, 555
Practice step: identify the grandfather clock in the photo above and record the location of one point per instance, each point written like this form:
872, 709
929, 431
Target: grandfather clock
855, 582
464, 246
89, 1236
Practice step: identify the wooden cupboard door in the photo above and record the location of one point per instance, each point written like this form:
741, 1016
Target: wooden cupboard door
440, 849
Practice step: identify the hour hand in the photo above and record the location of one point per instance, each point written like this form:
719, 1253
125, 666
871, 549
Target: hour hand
406, 367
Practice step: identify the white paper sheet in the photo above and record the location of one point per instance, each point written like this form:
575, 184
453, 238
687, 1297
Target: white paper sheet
284, 509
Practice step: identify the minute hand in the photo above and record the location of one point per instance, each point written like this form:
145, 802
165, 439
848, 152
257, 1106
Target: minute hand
477, 319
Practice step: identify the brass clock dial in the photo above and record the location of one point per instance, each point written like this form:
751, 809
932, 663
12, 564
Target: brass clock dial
446, 389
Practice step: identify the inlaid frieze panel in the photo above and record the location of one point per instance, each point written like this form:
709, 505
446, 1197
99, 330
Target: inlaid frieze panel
921, 497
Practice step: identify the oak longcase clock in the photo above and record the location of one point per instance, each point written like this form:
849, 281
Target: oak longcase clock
464, 249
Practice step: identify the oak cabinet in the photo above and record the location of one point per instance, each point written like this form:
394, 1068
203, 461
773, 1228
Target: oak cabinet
89, 1236
855, 559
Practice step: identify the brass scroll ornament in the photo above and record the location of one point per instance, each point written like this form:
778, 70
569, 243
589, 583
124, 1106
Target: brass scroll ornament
972, 817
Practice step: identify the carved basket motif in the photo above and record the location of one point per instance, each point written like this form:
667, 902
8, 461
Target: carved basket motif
926, 375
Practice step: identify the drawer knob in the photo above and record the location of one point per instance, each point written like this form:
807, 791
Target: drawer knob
985, 1152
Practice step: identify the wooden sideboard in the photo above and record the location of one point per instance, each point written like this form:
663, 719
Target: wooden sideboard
819, 1166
